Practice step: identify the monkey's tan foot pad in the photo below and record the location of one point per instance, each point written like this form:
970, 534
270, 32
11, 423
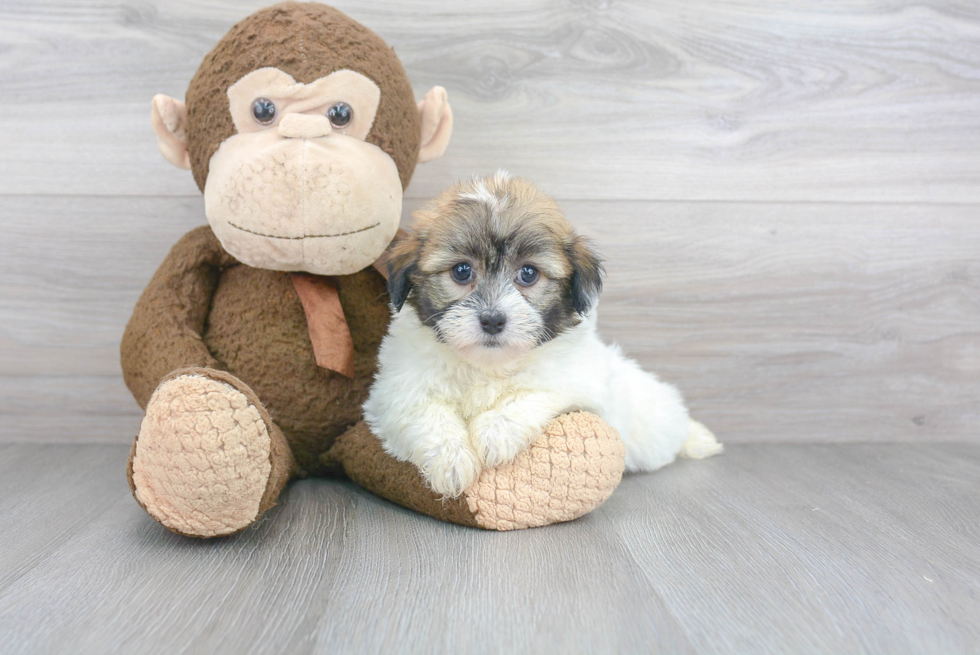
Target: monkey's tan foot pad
201, 463
568, 472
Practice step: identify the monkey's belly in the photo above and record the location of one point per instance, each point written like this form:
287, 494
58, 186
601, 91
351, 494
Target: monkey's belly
257, 329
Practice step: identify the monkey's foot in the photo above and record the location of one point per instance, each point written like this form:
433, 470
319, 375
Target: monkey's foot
201, 464
567, 472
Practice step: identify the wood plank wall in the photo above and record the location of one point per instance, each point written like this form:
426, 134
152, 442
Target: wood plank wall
787, 193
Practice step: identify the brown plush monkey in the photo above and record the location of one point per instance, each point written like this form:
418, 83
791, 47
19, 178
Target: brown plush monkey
253, 346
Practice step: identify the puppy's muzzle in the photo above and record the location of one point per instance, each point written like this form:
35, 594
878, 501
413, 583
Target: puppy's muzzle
492, 322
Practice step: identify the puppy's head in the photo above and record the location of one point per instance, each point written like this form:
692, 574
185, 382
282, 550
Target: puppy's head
493, 267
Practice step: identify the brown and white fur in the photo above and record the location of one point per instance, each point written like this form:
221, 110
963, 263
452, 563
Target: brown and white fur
494, 334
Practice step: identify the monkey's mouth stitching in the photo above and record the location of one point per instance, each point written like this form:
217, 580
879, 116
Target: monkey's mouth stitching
308, 236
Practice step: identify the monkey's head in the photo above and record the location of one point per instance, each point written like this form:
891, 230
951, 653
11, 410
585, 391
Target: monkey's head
302, 131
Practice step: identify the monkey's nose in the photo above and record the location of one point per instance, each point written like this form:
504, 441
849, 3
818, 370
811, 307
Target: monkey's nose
492, 322
303, 126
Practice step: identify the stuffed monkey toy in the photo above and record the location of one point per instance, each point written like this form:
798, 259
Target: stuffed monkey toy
254, 344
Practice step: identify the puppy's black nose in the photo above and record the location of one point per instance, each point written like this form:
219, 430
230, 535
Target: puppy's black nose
493, 322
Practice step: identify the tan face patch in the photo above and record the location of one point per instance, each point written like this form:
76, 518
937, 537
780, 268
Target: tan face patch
290, 97
327, 205
296, 192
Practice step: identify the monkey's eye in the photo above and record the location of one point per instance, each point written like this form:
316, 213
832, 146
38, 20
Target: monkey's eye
340, 115
527, 276
263, 111
462, 273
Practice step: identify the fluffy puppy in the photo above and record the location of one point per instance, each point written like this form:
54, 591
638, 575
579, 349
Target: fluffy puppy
494, 334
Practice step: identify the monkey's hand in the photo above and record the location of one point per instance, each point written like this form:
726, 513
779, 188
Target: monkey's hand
165, 332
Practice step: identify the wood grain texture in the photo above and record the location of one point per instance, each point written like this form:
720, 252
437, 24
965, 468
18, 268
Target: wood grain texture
766, 549
876, 100
780, 322
787, 199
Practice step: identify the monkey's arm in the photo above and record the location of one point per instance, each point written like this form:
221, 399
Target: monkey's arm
164, 333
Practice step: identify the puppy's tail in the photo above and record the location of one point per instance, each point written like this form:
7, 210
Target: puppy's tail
700, 442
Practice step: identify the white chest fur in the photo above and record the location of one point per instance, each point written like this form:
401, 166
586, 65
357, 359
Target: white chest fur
427, 396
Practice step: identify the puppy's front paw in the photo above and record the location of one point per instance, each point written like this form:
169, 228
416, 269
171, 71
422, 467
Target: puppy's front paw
500, 436
450, 468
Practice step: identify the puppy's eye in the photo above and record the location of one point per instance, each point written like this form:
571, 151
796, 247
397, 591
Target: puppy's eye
462, 273
527, 276
263, 111
340, 115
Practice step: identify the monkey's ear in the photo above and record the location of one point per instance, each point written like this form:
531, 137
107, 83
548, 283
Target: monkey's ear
168, 118
587, 273
437, 124
402, 263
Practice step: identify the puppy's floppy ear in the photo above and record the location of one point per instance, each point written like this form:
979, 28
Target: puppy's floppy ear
587, 271
402, 263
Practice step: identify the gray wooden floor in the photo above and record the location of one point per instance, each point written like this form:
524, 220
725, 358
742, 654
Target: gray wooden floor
768, 549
